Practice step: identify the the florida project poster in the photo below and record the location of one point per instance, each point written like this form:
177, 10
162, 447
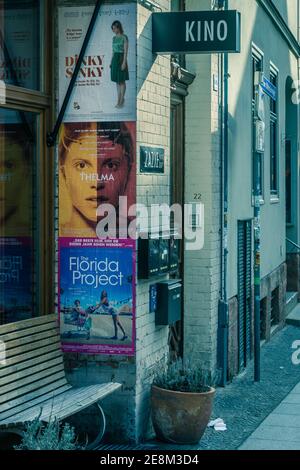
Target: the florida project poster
96, 296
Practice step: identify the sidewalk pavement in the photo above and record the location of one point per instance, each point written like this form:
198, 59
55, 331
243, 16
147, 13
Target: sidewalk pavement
267, 411
281, 429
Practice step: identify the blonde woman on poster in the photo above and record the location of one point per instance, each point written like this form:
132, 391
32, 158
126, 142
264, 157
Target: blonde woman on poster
119, 67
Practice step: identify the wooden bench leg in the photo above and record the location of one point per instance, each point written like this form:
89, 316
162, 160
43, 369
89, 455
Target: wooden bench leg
93, 445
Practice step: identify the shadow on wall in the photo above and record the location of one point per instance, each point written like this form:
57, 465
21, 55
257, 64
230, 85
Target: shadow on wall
145, 57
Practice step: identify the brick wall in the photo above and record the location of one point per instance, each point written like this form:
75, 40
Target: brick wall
202, 160
153, 129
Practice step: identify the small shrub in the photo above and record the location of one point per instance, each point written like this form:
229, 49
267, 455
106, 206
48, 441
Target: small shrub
182, 376
48, 436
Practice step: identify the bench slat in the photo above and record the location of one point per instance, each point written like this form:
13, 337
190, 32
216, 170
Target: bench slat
21, 378
26, 401
30, 339
35, 386
66, 404
29, 331
31, 347
31, 361
11, 327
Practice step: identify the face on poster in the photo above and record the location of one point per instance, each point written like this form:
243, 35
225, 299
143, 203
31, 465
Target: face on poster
97, 166
16, 160
96, 298
106, 86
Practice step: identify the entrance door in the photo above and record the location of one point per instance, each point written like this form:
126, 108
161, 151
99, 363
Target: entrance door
176, 197
244, 291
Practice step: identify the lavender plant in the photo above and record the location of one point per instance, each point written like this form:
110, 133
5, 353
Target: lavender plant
183, 376
49, 436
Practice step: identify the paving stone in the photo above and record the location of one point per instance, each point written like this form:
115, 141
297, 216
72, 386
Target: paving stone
288, 409
296, 389
266, 444
292, 398
285, 421
277, 433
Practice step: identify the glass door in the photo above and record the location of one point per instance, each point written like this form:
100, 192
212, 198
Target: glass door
20, 215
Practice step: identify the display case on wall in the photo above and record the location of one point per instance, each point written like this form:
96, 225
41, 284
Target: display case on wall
148, 258
158, 256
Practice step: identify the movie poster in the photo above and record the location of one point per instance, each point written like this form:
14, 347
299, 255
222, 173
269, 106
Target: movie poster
105, 89
97, 181
97, 166
19, 50
96, 297
16, 279
16, 175
16, 213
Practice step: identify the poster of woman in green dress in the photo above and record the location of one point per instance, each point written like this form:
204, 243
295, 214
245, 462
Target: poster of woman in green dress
106, 85
119, 66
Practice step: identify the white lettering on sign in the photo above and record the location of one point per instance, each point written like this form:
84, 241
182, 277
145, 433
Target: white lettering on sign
221, 24
209, 31
206, 31
153, 160
189, 35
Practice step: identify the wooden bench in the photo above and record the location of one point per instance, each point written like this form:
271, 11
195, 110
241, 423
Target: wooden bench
33, 381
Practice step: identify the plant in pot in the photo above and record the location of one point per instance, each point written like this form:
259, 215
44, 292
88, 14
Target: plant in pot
182, 398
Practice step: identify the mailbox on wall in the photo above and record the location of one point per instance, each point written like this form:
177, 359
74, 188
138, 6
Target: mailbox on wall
148, 258
154, 255
169, 300
158, 256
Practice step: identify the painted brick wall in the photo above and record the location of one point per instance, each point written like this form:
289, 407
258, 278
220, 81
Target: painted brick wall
202, 157
153, 129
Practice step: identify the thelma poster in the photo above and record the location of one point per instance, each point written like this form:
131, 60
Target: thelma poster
96, 298
105, 89
97, 163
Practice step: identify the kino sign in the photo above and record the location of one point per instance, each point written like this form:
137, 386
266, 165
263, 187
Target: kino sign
196, 32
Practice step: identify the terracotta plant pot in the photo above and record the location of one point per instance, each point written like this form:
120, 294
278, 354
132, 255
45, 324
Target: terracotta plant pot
180, 417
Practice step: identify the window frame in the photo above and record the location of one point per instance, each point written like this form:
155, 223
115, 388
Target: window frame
40, 102
274, 122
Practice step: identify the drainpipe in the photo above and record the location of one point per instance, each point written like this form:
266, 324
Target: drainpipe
257, 257
223, 317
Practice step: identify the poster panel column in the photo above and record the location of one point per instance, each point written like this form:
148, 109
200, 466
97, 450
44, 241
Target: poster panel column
97, 167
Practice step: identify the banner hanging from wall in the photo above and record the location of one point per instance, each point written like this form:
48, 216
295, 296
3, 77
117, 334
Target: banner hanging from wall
106, 86
97, 175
